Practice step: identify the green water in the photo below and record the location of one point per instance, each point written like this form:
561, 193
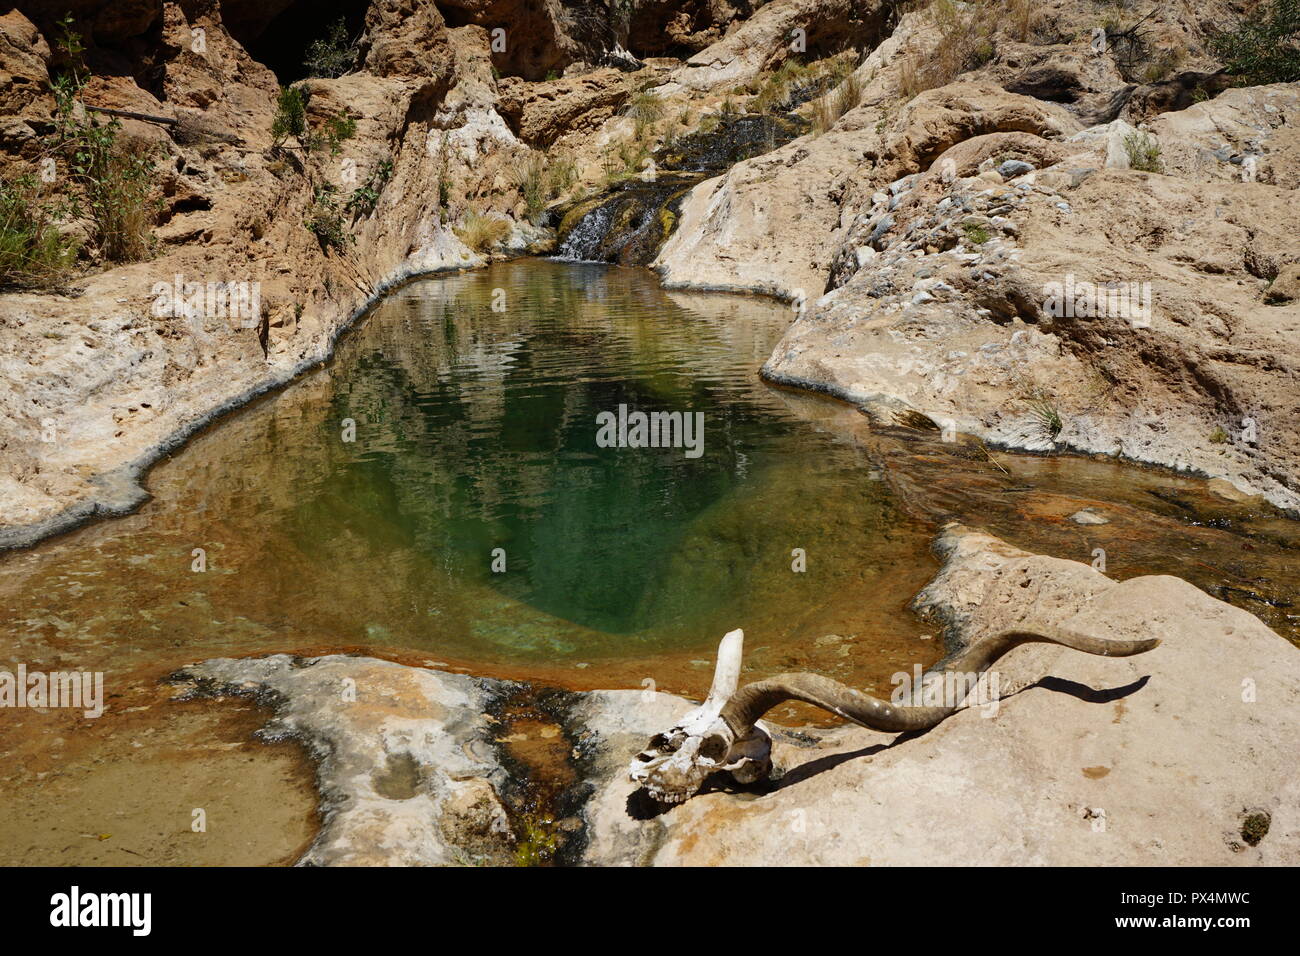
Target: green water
476, 437
475, 432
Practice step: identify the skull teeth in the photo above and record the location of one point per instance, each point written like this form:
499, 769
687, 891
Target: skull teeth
667, 796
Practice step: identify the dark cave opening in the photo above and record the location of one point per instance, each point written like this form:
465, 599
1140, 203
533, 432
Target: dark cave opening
283, 42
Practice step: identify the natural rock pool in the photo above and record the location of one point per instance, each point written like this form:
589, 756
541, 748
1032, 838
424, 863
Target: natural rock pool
475, 429
367, 505
474, 448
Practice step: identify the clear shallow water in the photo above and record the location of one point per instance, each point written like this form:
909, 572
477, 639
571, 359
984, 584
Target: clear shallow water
476, 429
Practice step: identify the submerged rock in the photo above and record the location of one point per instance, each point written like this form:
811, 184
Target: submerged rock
406, 769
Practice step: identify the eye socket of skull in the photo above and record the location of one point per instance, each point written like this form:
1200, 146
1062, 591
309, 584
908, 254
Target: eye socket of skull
714, 747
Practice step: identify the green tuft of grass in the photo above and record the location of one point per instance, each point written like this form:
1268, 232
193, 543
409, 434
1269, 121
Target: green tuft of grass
645, 109
828, 109
1143, 152
1046, 416
33, 253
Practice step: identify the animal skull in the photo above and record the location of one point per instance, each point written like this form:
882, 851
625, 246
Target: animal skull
677, 761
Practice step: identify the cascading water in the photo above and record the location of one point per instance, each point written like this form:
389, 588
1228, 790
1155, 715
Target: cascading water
632, 219
628, 224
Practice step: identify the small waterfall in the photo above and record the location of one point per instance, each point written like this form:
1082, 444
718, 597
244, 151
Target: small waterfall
626, 225
630, 221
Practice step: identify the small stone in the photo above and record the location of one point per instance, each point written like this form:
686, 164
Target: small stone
1089, 516
1013, 168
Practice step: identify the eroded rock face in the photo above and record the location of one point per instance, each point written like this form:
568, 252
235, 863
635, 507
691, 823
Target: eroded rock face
949, 297
114, 380
543, 112
777, 31
1080, 760
24, 85
406, 39
937, 232
672, 27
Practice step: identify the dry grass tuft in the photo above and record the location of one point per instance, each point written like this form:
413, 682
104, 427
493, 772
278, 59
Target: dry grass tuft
482, 232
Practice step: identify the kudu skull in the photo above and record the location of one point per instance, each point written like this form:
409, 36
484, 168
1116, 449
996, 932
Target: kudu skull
724, 732
678, 760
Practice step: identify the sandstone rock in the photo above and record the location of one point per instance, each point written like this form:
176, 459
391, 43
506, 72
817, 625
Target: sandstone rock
540, 113
1242, 135
24, 77
661, 27
405, 39
769, 37
1285, 289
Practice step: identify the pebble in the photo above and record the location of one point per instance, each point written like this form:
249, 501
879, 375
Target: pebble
1089, 516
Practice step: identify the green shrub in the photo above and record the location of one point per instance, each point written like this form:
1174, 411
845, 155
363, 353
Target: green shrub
1265, 49
291, 120
365, 197
325, 219
337, 129
32, 250
290, 115
114, 179
333, 54
1143, 152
